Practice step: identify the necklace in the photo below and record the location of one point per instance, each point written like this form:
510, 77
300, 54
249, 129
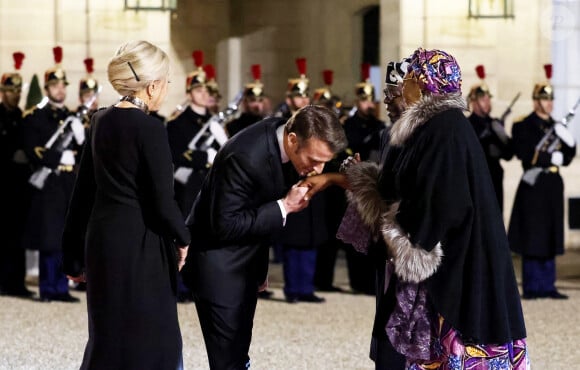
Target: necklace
136, 102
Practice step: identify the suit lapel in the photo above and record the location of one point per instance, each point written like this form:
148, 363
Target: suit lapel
275, 158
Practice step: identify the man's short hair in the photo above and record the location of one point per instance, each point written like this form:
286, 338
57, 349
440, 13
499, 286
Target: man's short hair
315, 121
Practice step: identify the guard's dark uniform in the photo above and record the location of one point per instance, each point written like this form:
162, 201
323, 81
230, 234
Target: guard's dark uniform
364, 137
15, 200
180, 131
536, 229
49, 205
244, 120
494, 149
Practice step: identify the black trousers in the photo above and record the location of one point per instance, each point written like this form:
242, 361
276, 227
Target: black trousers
227, 332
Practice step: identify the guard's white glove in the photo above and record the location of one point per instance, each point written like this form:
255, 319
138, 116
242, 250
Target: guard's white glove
499, 130
564, 134
182, 175
68, 158
211, 153
557, 158
77, 128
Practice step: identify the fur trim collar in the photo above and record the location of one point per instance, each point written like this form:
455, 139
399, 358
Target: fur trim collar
421, 112
412, 263
363, 179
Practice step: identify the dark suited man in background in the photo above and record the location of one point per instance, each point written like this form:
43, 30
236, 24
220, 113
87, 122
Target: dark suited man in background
14, 186
243, 202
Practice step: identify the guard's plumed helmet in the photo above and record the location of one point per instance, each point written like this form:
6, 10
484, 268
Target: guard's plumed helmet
13, 80
211, 83
197, 77
56, 73
323, 94
255, 89
480, 89
365, 90
299, 86
88, 83
544, 90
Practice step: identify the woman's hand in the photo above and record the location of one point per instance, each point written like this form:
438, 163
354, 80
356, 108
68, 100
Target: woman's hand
181, 256
320, 182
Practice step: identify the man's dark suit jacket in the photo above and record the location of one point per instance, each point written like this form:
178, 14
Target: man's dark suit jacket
235, 216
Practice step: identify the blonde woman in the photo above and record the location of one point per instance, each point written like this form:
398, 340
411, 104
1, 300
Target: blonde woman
123, 225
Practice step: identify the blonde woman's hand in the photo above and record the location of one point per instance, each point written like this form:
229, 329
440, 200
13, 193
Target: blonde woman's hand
181, 256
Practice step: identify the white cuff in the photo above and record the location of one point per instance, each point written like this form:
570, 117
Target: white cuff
283, 210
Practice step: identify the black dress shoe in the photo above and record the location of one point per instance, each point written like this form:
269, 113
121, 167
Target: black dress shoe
531, 296
292, 298
557, 295
20, 293
265, 294
310, 298
66, 297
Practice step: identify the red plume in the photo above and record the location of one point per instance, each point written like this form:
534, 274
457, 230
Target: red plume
327, 76
301, 64
18, 58
365, 71
480, 70
256, 72
548, 70
197, 56
89, 65
209, 71
57, 52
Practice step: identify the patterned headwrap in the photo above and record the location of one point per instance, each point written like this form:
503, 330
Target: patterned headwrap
396, 71
437, 71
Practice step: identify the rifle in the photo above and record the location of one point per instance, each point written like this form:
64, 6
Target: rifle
549, 143
217, 134
38, 178
509, 108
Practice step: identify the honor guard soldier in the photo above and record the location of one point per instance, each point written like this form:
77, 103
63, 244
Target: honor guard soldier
324, 95
88, 93
536, 229
494, 140
52, 140
363, 131
13, 188
297, 93
191, 164
190, 161
305, 231
213, 89
334, 197
253, 108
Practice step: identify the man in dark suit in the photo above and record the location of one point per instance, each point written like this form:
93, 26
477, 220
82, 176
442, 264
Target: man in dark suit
243, 202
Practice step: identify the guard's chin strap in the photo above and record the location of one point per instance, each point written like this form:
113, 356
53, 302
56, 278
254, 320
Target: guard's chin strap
542, 109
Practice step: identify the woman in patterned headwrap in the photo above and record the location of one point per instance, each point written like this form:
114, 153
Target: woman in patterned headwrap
455, 299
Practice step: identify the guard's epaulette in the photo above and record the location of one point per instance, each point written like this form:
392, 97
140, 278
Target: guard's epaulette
519, 119
29, 111
175, 114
